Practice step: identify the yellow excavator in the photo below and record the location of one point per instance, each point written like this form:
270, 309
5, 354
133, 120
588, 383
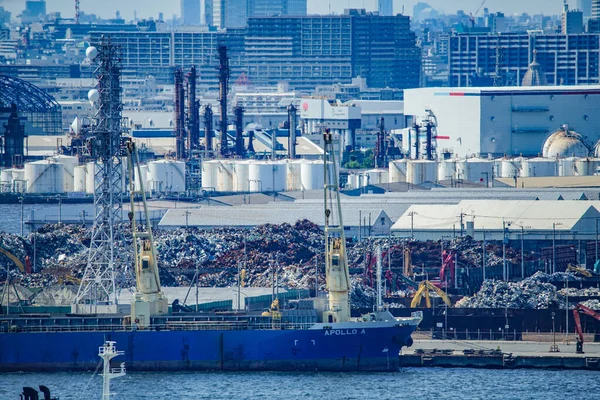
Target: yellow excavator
14, 259
424, 288
273, 311
579, 270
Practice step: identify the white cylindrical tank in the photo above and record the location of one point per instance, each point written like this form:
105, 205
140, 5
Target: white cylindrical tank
279, 176
18, 180
446, 170
260, 176
68, 163
538, 166
475, 169
45, 176
566, 166
397, 171
143, 179
509, 168
225, 176
90, 178
419, 171
166, 176
584, 167
354, 181
294, 175
6, 176
312, 175
79, 173
377, 176
210, 171
241, 176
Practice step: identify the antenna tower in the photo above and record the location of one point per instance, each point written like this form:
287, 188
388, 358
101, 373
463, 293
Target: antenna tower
98, 282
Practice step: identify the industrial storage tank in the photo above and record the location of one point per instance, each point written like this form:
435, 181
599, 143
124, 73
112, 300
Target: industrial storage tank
584, 166
79, 173
6, 177
397, 171
354, 181
144, 178
279, 176
419, 171
260, 176
45, 176
225, 175
376, 176
294, 175
475, 169
539, 166
18, 180
566, 166
509, 167
564, 143
68, 163
446, 170
312, 175
241, 176
166, 176
210, 171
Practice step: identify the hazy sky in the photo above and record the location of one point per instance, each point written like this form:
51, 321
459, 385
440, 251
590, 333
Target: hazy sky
151, 8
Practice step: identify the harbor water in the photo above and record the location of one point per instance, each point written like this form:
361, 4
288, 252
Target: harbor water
410, 383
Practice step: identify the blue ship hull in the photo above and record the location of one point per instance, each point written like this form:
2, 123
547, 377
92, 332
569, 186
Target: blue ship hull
352, 347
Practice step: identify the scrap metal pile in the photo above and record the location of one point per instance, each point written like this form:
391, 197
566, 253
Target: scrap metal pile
535, 292
58, 254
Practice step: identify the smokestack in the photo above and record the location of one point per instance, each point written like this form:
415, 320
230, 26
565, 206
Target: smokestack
208, 123
292, 123
193, 113
223, 83
416, 129
239, 130
179, 115
429, 148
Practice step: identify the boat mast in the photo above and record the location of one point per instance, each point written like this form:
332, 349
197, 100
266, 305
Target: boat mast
107, 352
336, 264
148, 298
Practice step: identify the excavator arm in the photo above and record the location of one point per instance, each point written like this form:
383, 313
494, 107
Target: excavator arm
581, 309
424, 288
14, 259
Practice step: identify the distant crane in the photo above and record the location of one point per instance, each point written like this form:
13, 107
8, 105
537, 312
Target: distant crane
77, 12
474, 13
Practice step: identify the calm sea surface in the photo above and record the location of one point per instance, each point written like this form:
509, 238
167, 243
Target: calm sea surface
410, 383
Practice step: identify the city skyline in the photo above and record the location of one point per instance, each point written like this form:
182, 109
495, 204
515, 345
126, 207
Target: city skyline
146, 10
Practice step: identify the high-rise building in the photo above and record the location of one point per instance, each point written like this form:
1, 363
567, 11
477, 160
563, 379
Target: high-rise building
385, 7
34, 9
263, 8
572, 21
229, 13
208, 12
329, 49
596, 9
585, 6
566, 59
190, 12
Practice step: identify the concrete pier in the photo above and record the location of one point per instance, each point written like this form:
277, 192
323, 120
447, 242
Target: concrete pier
507, 354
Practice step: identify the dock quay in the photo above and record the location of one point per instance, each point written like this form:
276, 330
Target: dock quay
500, 354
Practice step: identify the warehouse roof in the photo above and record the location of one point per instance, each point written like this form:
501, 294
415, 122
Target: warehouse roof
491, 214
249, 216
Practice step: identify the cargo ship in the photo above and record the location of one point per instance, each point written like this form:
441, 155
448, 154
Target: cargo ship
304, 335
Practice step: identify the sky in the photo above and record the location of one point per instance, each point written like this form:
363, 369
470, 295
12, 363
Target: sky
151, 8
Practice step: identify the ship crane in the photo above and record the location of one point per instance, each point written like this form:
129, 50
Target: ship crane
148, 297
336, 263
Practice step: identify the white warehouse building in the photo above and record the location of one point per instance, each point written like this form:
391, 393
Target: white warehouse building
504, 120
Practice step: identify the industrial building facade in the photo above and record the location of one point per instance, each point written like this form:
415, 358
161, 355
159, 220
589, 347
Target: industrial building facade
566, 59
506, 120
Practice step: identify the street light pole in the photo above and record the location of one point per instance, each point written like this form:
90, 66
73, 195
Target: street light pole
522, 253
553, 247
504, 250
21, 200
483, 261
596, 242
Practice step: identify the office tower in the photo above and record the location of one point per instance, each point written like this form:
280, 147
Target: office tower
190, 12
385, 8
263, 8
229, 13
